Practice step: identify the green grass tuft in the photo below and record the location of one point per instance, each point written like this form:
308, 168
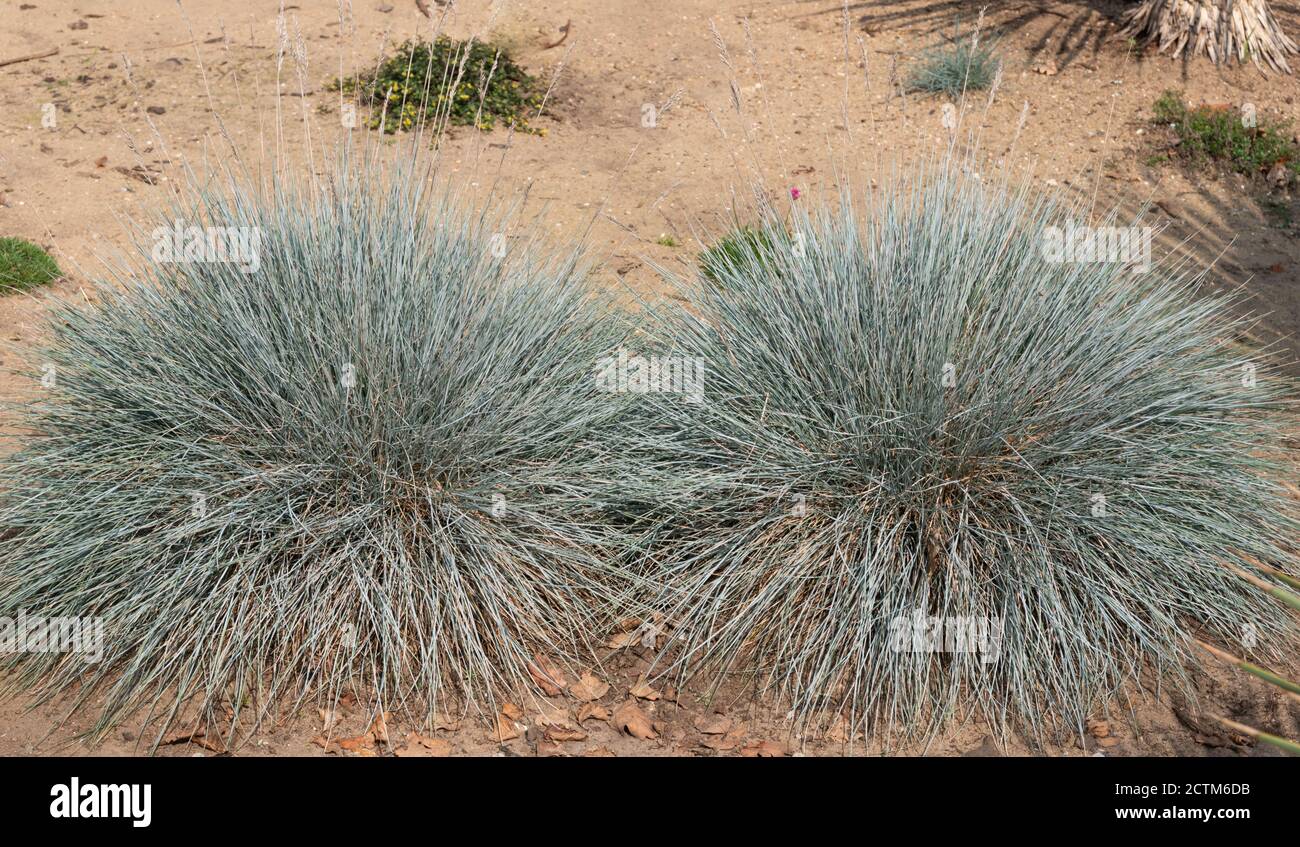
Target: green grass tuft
23, 265
742, 246
1208, 133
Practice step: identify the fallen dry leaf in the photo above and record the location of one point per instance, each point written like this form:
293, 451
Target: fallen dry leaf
720, 743
630, 719
840, 731
554, 717
548, 677
379, 729
429, 742
730, 741
763, 750
600, 753
621, 640
512, 711
418, 745
504, 730
560, 734
592, 711
643, 690
547, 750
329, 745
589, 688
713, 724
359, 744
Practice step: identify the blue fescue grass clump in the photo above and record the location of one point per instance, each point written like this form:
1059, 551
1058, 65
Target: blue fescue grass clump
372, 465
967, 64
915, 419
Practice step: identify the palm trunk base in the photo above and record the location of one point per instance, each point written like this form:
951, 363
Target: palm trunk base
1224, 30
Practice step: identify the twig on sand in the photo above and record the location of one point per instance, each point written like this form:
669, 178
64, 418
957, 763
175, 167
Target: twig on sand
15, 61
564, 29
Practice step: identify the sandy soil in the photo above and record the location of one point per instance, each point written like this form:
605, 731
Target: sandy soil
139, 87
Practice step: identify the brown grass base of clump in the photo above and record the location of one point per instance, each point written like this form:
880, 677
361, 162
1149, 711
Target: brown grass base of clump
1220, 29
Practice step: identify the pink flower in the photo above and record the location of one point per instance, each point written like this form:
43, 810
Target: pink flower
794, 194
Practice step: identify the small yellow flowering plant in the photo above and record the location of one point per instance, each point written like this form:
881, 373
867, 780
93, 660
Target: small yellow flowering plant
465, 83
